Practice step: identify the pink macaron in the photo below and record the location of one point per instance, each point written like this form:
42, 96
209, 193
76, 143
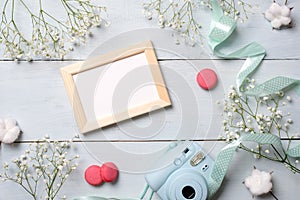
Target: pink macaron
109, 172
207, 79
93, 176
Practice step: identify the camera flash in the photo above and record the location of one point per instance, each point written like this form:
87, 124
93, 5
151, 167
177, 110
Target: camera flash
197, 158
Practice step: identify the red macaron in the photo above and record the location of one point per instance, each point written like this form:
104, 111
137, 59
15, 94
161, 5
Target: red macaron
109, 172
207, 79
96, 175
93, 176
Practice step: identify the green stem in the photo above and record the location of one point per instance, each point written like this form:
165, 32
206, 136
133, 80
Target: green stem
28, 183
62, 182
295, 169
26, 189
12, 9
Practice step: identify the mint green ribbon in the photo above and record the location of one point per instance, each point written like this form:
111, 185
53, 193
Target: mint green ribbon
224, 158
221, 28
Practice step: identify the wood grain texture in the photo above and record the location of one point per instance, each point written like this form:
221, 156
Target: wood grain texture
34, 94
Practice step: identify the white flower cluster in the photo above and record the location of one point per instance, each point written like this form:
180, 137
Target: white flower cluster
51, 37
178, 15
243, 114
43, 169
252, 115
183, 15
237, 9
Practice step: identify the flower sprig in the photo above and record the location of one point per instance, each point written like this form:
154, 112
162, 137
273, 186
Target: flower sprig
182, 15
51, 37
250, 115
239, 10
178, 15
43, 169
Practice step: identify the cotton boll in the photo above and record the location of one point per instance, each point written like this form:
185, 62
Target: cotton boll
276, 23
11, 135
2, 124
278, 15
2, 134
285, 20
285, 11
259, 182
269, 15
275, 8
9, 131
2, 129
10, 123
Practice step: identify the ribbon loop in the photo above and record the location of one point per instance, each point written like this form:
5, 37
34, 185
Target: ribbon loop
221, 28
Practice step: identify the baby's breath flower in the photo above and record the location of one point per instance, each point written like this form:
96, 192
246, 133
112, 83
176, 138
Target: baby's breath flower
51, 37
5, 165
183, 16
60, 167
44, 168
266, 98
251, 115
267, 151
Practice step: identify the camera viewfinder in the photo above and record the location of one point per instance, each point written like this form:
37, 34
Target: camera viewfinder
186, 150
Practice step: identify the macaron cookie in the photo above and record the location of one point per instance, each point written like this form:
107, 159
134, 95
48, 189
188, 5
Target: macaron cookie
93, 176
207, 79
109, 172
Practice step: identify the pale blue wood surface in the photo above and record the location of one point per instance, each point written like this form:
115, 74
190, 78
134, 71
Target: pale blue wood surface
34, 94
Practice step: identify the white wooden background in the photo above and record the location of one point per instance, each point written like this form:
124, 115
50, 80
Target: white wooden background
34, 94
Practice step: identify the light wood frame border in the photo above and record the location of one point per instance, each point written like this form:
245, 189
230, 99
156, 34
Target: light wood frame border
69, 71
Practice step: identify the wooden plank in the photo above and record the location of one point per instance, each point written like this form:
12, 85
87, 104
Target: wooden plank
129, 26
131, 183
34, 94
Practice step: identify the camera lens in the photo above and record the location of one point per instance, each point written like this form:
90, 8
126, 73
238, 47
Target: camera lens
188, 192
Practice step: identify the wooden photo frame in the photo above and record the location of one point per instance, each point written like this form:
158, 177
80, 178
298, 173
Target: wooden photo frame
100, 84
